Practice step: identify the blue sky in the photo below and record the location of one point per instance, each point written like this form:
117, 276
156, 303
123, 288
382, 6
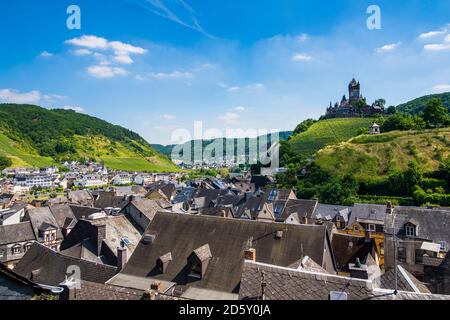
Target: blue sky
157, 65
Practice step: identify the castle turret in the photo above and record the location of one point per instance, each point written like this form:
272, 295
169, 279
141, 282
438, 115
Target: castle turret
354, 89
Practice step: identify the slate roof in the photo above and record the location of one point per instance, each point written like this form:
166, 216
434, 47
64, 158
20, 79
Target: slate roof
433, 224
15, 287
97, 291
81, 212
302, 208
81, 197
405, 281
372, 212
111, 200
45, 266
148, 207
43, 219
184, 195
326, 210
63, 215
217, 212
348, 248
227, 239
82, 240
20, 232
292, 284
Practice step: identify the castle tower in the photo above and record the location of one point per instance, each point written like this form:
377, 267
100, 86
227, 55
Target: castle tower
354, 90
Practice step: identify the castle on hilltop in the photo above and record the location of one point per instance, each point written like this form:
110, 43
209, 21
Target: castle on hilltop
354, 106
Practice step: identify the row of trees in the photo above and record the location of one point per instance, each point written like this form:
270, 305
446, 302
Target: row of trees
435, 115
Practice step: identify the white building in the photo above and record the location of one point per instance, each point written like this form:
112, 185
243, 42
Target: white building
90, 180
34, 180
122, 179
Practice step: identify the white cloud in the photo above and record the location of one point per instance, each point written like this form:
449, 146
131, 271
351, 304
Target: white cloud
111, 52
170, 75
436, 47
105, 72
15, 96
88, 41
169, 116
230, 117
240, 109
124, 59
233, 89
441, 88
75, 108
431, 34
447, 38
388, 47
53, 97
301, 57
125, 48
256, 86
82, 52
303, 37
46, 54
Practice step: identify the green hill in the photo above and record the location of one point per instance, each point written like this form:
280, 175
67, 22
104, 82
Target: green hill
416, 106
34, 136
327, 132
373, 157
167, 150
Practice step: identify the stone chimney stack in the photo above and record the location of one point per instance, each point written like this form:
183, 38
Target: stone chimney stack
358, 270
121, 258
389, 208
99, 236
250, 254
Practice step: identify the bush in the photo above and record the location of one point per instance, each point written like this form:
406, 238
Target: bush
5, 163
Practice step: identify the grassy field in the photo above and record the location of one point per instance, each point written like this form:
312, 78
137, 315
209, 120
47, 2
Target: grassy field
379, 155
115, 156
327, 132
21, 156
139, 164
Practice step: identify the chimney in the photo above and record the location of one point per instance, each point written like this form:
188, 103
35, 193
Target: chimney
69, 290
250, 254
305, 220
358, 270
99, 236
389, 208
156, 286
121, 258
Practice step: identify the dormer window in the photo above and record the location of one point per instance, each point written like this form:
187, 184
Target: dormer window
371, 227
163, 262
443, 245
198, 262
410, 230
17, 249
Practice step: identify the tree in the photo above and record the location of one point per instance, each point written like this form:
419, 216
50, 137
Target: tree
391, 110
380, 103
435, 114
304, 125
5, 162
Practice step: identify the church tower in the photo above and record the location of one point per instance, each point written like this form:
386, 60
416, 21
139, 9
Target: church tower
354, 90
